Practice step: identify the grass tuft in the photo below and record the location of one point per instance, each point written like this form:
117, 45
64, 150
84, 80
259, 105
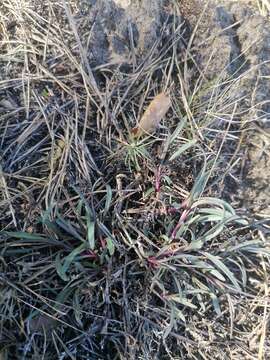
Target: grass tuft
112, 246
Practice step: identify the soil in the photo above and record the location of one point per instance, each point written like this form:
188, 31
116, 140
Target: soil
233, 42
122, 27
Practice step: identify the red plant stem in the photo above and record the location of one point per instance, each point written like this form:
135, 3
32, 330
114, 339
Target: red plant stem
172, 211
91, 254
103, 243
153, 262
182, 219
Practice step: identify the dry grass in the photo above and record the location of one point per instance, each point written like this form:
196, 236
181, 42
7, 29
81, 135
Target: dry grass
264, 7
114, 247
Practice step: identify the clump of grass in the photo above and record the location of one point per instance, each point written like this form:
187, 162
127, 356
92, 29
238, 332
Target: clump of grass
114, 247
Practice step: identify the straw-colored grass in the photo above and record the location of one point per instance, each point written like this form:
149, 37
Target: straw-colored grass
112, 246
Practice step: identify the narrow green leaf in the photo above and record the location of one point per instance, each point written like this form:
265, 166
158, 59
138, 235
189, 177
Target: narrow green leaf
215, 303
210, 218
79, 207
65, 225
218, 228
170, 326
198, 283
105, 230
213, 232
59, 268
182, 149
207, 268
242, 270
178, 299
213, 201
246, 244
52, 226
63, 296
218, 275
108, 199
28, 238
149, 191
179, 314
178, 130
199, 184
110, 246
62, 269
25, 235
194, 245
77, 308
221, 212
90, 233
220, 265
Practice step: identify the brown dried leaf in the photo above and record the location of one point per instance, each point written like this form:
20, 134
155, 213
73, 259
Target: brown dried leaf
152, 116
